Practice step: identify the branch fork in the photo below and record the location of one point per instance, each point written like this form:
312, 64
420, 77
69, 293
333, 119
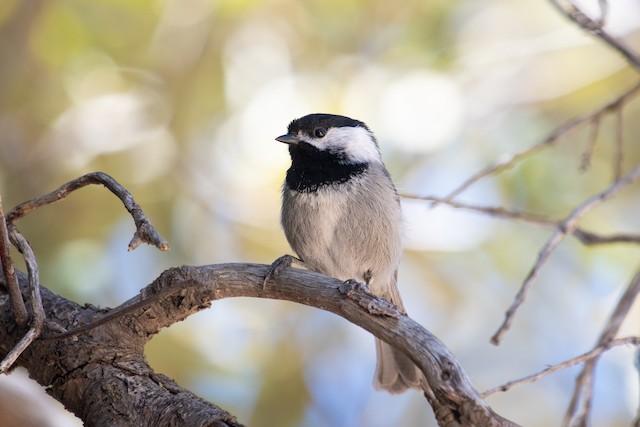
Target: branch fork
145, 233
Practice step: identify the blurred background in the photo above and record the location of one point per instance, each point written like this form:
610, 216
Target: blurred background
180, 101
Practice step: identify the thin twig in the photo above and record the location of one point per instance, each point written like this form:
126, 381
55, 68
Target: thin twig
588, 238
593, 138
567, 226
494, 211
619, 157
145, 232
15, 296
585, 237
580, 406
604, 12
636, 363
596, 352
550, 140
38, 316
593, 27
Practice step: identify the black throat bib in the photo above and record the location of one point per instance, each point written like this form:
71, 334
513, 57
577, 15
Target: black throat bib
312, 168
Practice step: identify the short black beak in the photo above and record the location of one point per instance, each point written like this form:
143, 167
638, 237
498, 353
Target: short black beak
288, 139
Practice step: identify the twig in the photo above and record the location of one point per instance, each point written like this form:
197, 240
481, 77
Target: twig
636, 357
585, 237
37, 310
145, 232
550, 140
596, 352
495, 211
595, 27
17, 302
593, 138
567, 226
619, 157
580, 406
604, 11
588, 238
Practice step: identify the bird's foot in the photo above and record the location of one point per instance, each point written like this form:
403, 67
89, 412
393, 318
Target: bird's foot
352, 285
360, 293
285, 261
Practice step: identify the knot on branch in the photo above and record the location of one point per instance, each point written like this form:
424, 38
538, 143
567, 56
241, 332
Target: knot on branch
169, 279
361, 294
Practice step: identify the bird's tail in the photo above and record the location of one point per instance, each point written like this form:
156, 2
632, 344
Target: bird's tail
395, 372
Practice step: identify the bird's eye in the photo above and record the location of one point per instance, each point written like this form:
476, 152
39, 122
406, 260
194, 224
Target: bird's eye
320, 132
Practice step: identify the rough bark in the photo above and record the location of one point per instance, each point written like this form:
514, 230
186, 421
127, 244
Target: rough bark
101, 374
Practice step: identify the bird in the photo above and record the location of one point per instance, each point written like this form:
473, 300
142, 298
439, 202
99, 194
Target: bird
341, 215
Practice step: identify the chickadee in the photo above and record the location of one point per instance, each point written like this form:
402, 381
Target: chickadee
341, 215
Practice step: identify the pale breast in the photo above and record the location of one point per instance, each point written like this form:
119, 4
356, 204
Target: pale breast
350, 231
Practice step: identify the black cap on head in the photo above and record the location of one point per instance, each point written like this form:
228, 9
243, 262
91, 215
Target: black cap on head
308, 124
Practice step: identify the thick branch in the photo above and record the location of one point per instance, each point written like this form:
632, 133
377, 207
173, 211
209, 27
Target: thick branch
182, 291
179, 292
103, 377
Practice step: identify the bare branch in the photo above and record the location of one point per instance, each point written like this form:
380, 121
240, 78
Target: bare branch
17, 302
619, 139
596, 352
581, 402
105, 370
549, 141
588, 238
567, 227
37, 310
585, 237
593, 138
145, 232
636, 357
604, 12
449, 389
572, 12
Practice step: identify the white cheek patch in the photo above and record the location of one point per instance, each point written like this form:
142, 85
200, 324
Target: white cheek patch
356, 142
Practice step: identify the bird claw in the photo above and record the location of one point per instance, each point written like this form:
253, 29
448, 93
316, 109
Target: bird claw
285, 261
352, 285
360, 293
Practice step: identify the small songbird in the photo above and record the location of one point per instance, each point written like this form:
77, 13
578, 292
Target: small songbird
341, 215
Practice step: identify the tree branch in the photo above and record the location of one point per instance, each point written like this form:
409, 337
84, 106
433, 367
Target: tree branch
17, 303
585, 237
37, 309
573, 13
549, 141
145, 232
580, 407
568, 225
103, 377
592, 354
182, 291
